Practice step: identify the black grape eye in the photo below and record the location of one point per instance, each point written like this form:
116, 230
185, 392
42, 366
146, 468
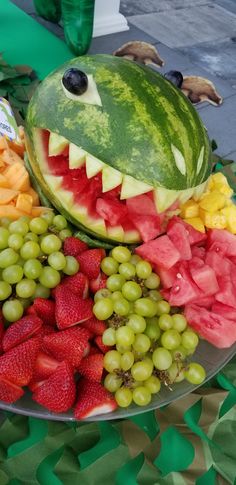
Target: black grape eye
75, 81
175, 77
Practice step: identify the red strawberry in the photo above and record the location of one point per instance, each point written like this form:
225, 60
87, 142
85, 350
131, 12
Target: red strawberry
20, 331
45, 309
1, 330
57, 393
46, 330
93, 350
73, 246
70, 344
95, 326
98, 283
34, 384
104, 348
93, 399
17, 364
91, 367
45, 365
9, 392
71, 309
90, 262
77, 283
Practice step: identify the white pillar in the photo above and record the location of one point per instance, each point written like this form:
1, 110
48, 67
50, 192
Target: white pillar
107, 18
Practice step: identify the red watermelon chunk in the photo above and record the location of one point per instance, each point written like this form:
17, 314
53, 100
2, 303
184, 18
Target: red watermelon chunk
184, 290
227, 293
205, 301
205, 279
167, 277
224, 239
180, 238
111, 210
199, 252
160, 251
221, 266
224, 310
195, 237
142, 205
215, 328
196, 262
59, 165
149, 227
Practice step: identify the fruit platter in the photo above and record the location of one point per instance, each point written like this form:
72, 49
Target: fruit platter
117, 247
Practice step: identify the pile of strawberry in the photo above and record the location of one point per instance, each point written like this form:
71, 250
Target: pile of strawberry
56, 348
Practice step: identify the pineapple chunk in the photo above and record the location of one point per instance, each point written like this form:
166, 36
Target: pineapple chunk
224, 189
189, 209
212, 202
219, 178
196, 222
213, 220
230, 215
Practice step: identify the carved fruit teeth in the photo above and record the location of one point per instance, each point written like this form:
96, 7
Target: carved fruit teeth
93, 166
57, 144
76, 156
53, 181
111, 178
164, 198
132, 187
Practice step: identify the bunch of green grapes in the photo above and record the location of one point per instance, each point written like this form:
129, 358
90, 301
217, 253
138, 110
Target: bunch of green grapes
31, 260
149, 342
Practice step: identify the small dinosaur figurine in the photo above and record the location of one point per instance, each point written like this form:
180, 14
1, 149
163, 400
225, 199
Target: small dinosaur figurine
77, 19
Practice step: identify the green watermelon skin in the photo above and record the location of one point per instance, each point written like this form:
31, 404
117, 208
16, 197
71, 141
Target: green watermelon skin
141, 115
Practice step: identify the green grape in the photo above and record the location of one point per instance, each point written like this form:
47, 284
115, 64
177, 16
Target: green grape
125, 336
112, 360
65, 233
109, 336
49, 277
4, 235
59, 222
30, 250
12, 310
121, 307
19, 227
41, 292
121, 254
127, 360
142, 370
137, 323
48, 216
142, 343
171, 339
155, 295
72, 266
31, 236
13, 274
50, 243
163, 307
189, 340
5, 222
8, 257
127, 270
38, 225
179, 353
33, 269
145, 307
165, 321
25, 288
57, 260
103, 308
5, 290
179, 322
123, 348
162, 358
109, 266
176, 373
141, 396
103, 293
131, 290
116, 295
26, 302
112, 382
115, 282
25, 219
153, 384
152, 329
20, 261
123, 397
15, 241
152, 282
195, 373
143, 269
135, 258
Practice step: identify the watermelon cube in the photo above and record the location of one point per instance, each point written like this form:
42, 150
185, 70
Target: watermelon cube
180, 238
199, 252
184, 290
224, 310
149, 227
205, 301
195, 237
205, 279
221, 265
224, 237
167, 277
160, 251
111, 210
141, 205
227, 292
216, 329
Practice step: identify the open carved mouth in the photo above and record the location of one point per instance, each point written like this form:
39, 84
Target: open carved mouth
107, 202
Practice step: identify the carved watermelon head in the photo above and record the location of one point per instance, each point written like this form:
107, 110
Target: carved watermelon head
98, 142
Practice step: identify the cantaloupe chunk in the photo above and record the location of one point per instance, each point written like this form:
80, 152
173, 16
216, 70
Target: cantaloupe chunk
37, 211
11, 212
11, 171
24, 203
23, 182
9, 157
34, 196
18, 148
3, 181
7, 195
18, 177
3, 143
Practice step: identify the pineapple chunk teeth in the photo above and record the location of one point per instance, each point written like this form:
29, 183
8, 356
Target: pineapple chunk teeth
112, 178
